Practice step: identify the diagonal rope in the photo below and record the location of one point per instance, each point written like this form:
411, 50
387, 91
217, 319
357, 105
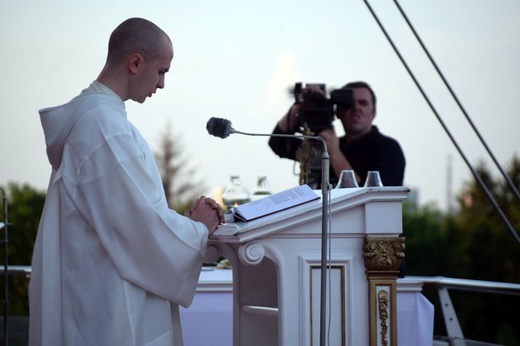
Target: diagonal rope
506, 177
473, 171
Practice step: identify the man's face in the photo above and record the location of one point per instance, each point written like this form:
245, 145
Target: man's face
152, 74
358, 120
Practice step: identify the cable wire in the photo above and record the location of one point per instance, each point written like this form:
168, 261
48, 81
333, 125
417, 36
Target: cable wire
473, 171
506, 177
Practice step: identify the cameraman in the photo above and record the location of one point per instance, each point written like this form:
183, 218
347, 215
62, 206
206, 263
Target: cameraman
363, 148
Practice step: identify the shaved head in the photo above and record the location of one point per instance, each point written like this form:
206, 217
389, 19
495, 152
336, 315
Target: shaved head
135, 35
139, 55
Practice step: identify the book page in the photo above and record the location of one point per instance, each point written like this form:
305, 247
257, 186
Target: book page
275, 202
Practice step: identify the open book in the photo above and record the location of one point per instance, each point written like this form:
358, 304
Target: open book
271, 204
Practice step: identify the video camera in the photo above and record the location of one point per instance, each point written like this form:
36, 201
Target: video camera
320, 113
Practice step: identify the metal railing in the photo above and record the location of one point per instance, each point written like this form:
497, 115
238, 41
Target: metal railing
443, 285
455, 336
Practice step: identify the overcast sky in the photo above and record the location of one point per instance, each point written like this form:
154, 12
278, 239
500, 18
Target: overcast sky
235, 59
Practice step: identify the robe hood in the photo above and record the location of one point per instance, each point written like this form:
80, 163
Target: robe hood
57, 122
94, 280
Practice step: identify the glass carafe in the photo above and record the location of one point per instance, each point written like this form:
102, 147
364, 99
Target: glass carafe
235, 193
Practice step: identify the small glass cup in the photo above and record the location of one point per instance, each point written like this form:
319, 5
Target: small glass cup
373, 179
261, 190
347, 179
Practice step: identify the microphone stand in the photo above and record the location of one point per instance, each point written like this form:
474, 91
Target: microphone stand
325, 190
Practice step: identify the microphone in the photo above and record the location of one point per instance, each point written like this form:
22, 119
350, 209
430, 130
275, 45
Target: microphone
219, 127
222, 128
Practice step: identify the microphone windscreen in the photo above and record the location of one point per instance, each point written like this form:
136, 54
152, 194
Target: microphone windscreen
219, 127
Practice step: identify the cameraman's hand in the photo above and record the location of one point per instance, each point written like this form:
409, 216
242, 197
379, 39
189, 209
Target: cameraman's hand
338, 161
332, 141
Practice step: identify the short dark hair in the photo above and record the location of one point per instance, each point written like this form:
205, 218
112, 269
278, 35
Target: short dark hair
361, 84
135, 35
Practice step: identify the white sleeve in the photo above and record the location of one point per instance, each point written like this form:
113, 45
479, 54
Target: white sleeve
120, 195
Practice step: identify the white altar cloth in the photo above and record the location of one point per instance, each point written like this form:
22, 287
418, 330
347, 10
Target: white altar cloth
414, 314
209, 319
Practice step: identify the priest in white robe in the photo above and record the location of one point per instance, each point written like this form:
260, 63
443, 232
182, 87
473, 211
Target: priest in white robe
112, 262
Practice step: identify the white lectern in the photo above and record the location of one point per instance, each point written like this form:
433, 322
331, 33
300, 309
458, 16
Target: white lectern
276, 264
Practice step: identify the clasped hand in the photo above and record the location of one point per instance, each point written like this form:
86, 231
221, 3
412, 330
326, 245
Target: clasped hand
207, 211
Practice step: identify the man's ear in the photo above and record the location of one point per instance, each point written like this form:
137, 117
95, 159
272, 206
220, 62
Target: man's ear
134, 62
374, 113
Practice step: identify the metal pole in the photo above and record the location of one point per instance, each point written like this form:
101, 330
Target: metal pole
325, 190
6, 295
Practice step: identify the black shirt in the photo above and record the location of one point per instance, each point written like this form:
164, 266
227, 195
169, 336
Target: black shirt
372, 152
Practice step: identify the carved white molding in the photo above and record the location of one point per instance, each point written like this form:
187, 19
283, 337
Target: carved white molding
212, 253
251, 253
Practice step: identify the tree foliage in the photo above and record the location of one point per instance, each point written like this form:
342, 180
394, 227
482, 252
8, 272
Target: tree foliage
472, 243
24, 208
177, 177
491, 247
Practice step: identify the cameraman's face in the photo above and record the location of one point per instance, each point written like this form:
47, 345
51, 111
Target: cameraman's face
358, 120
